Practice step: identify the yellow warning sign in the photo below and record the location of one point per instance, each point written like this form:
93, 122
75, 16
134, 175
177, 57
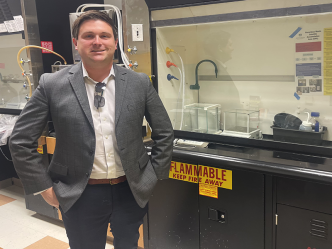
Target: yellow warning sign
208, 190
221, 178
40, 149
209, 178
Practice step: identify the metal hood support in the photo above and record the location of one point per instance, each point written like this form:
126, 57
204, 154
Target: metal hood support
161, 4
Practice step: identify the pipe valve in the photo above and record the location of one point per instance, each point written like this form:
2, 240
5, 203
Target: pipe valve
23, 61
24, 74
132, 50
133, 65
151, 77
170, 77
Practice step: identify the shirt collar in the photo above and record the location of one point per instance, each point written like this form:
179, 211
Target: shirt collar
86, 75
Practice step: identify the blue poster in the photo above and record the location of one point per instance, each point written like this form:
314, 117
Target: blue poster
309, 69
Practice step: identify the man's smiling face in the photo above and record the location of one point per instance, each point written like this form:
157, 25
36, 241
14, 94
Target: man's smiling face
96, 43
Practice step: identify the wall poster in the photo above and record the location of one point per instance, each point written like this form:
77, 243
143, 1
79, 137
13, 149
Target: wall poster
309, 62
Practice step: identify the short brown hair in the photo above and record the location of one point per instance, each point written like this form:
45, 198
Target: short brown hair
93, 15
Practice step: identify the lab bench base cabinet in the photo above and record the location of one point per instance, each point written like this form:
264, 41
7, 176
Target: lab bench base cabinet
181, 218
260, 212
7, 169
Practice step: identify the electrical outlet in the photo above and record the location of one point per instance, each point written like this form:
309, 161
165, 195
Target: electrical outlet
137, 31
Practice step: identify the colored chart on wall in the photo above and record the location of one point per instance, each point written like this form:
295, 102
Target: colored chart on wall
308, 61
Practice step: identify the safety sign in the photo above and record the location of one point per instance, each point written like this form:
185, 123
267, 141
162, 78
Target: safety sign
208, 178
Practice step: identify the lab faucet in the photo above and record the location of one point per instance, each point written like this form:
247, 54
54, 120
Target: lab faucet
196, 86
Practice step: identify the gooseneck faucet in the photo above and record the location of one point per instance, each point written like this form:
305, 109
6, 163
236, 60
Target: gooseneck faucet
196, 86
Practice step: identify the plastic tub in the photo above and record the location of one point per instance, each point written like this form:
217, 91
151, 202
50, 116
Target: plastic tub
297, 136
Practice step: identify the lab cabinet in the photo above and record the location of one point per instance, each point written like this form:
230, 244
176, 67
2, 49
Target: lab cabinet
304, 214
173, 216
7, 169
300, 228
304, 194
236, 218
179, 217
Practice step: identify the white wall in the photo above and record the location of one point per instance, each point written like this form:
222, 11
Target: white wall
117, 3
10, 41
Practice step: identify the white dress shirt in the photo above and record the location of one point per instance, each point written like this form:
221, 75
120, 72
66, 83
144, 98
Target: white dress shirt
107, 163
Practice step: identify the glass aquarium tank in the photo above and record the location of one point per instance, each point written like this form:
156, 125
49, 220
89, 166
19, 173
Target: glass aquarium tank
202, 118
241, 123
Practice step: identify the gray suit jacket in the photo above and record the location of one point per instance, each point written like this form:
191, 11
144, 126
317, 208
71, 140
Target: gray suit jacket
62, 96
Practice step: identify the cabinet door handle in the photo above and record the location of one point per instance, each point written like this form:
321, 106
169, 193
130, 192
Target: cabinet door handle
216, 215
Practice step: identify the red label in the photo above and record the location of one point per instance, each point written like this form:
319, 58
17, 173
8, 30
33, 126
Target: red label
308, 47
48, 45
2, 65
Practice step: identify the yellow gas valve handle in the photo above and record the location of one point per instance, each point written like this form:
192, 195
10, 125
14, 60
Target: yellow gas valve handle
151, 76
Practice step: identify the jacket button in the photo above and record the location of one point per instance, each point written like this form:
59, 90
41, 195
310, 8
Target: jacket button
87, 174
91, 152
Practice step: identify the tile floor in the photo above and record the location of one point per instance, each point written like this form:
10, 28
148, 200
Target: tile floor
24, 229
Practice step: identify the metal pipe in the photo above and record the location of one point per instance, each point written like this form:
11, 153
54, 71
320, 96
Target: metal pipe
196, 86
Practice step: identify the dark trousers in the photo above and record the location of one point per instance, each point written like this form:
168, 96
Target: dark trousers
87, 220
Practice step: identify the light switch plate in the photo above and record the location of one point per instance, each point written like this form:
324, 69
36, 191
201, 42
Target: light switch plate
137, 31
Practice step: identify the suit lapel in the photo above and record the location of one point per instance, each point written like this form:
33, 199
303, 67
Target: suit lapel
120, 89
77, 83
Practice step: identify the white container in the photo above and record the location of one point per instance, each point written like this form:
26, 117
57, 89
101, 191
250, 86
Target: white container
306, 125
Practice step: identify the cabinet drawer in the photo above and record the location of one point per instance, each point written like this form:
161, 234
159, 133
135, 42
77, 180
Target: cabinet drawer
303, 194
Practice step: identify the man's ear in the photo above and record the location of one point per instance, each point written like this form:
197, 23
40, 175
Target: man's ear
75, 43
116, 43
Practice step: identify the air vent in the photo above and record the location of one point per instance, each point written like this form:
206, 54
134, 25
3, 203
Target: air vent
318, 228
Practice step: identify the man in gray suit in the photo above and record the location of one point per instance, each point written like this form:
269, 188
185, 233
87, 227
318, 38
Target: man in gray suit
100, 172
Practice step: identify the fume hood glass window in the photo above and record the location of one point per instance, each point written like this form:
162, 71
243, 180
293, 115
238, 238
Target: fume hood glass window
13, 90
265, 75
